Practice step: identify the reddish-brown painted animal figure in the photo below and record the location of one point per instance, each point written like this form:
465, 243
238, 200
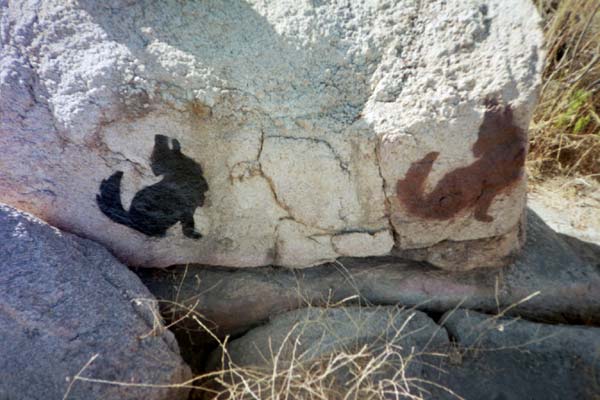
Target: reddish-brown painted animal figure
500, 151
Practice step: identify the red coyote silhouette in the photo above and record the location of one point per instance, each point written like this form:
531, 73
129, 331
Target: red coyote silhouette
500, 152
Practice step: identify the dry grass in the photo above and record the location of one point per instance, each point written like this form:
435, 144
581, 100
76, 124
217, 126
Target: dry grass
369, 372
380, 371
387, 368
383, 371
565, 131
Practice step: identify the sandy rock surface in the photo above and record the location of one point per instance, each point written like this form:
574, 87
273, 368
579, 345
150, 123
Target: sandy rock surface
256, 133
571, 206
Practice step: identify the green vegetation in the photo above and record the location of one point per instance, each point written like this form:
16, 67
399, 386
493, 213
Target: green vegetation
565, 131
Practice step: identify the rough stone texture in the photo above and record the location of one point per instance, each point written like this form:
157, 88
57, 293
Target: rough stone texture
65, 299
302, 121
465, 255
514, 359
566, 277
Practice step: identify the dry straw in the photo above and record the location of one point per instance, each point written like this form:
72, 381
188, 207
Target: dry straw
298, 377
565, 131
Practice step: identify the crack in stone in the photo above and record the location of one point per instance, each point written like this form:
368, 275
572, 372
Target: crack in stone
343, 165
290, 216
371, 232
388, 205
120, 157
276, 250
272, 187
323, 232
267, 178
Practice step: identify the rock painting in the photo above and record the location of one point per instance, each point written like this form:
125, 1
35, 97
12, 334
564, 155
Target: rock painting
156, 208
500, 151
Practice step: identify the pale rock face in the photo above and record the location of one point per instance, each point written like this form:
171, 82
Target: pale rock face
289, 128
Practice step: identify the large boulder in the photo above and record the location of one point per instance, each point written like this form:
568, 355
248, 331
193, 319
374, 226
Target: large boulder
512, 359
70, 313
288, 133
311, 334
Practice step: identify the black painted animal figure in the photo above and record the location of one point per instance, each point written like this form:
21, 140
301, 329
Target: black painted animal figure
156, 208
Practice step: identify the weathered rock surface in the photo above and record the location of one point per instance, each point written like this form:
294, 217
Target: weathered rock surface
514, 359
563, 281
292, 132
66, 299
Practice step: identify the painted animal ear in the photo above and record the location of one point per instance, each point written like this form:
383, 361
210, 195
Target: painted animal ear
176, 146
160, 140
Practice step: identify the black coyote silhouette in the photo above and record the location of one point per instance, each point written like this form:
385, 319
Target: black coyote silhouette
156, 208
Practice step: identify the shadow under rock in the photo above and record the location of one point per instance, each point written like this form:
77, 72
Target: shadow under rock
562, 271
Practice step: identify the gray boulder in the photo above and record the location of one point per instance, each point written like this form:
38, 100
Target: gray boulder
512, 359
66, 300
315, 333
490, 357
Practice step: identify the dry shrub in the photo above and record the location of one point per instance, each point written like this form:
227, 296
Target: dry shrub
565, 131
384, 371
318, 379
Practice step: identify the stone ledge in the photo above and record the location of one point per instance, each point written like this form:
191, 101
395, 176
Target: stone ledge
561, 279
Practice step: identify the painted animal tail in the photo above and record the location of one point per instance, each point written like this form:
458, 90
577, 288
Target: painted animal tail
109, 199
410, 190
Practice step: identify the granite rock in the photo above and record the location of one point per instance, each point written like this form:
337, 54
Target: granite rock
257, 133
68, 308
